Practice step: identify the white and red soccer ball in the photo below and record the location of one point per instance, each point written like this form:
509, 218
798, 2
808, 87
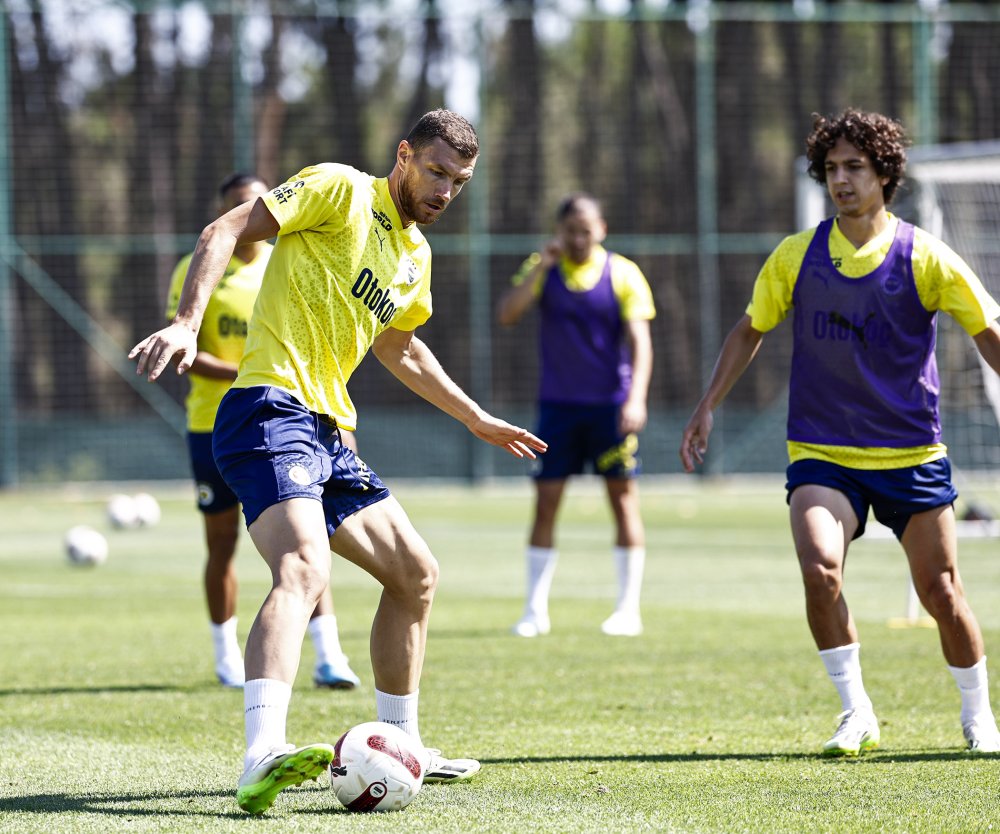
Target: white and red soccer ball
377, 767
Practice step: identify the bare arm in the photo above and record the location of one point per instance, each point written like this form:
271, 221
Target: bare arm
738, 350
518, 300
247, 223
988, 344
211, 366
633, 415
413, 364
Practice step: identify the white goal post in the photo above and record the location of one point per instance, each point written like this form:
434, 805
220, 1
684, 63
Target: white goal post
958, 200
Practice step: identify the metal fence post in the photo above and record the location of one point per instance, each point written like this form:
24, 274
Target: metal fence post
8, 409
702, 25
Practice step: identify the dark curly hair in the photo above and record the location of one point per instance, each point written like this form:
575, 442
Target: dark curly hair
880, 138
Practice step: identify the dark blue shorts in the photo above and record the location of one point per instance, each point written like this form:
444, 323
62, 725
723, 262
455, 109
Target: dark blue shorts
214, 495
584, 435
269, 448
893, 494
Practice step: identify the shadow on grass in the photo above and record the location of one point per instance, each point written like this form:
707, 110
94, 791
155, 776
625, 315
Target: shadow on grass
178, 803
119, 804
105, 689
873, 758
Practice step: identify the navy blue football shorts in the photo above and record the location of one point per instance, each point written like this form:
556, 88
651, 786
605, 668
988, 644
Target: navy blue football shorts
269, 448
214, 495
893, 494
584, 435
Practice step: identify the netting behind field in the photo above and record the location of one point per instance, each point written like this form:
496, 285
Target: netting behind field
956, 192
120, 119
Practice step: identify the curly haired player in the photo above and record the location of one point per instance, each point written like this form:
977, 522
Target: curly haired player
864, 289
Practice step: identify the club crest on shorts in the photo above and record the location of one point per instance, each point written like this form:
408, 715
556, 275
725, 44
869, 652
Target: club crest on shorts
206, 495
298, 474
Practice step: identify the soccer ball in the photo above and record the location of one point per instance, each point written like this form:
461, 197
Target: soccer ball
123, 512
377, 767
85, 546
147, 509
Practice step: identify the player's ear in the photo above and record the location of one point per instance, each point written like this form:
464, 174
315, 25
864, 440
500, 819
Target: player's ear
404, 153
602, 230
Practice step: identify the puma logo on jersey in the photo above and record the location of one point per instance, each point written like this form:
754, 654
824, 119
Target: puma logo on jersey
836, 327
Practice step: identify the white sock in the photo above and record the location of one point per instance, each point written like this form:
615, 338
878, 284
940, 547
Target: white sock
325, 638
541, 565
224, 640
973, 684
401, 711
630, 562
843, 665
265, 708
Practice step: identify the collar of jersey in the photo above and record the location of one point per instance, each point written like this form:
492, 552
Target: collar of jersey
839, 244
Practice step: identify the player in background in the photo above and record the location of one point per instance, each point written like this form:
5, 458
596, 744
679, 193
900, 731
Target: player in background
220, 346
350, 272
596, 360
864, 288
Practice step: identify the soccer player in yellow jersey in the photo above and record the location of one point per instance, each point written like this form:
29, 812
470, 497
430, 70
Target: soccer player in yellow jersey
597, 357
220, 347
350, 272
864, 288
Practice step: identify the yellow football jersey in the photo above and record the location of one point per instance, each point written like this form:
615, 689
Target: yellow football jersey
223, 330
943, 281
343, 269
629, 284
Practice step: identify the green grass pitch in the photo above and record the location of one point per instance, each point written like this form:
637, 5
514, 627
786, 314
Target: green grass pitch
110, 718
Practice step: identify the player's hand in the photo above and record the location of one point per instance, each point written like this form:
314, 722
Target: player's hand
694, 442
632, 418
176, 341
551, 252
521, 443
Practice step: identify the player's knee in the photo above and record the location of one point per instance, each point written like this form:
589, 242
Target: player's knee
821, 580
306, 573
221, 547
417, 576
940, 596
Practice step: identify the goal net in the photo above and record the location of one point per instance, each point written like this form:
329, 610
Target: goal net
957, 198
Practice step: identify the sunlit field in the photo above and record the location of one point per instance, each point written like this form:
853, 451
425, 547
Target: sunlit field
111, 719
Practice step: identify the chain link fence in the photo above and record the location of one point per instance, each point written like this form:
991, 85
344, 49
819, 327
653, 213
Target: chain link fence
119, 120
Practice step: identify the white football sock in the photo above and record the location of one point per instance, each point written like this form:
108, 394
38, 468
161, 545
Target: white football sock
843, 665
973, 684
541, 565
630, 563
401, 711
265, 708
224, 640
325, 639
